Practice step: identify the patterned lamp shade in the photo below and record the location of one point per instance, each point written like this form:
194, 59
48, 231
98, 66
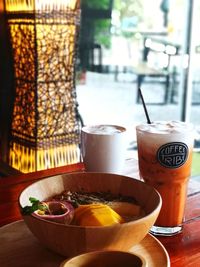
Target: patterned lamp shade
45, 127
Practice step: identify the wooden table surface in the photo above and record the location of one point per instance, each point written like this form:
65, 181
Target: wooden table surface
183, 249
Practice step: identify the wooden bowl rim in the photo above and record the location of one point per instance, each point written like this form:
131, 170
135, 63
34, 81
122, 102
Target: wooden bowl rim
98, 252
144, 218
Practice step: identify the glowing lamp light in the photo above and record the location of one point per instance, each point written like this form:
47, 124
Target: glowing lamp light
45, 128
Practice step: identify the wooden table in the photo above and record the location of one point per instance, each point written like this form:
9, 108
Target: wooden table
183, 249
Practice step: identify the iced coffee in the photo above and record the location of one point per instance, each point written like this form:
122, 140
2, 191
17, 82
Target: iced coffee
165, 158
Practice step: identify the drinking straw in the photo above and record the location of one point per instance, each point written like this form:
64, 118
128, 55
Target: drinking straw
144, 106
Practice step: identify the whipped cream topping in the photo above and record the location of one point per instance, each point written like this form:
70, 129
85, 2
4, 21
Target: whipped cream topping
163, 132
165, 127
103, 129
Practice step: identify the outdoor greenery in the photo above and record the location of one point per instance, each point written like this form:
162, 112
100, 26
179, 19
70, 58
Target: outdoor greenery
128, 8
102, 32
102, 4
128, 11
195, 164
100, 25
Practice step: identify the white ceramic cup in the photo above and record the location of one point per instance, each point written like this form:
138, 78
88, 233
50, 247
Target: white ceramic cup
103, 148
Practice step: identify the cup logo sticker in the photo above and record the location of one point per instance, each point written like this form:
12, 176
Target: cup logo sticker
172, 155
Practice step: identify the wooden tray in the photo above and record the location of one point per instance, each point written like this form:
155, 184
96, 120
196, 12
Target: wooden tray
20, 248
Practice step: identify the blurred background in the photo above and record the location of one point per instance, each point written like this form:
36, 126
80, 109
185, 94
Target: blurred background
127, 44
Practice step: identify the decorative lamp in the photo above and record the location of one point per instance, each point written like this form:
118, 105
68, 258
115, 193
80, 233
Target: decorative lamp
45, 125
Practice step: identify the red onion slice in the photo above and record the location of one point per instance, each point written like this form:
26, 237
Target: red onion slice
56, 211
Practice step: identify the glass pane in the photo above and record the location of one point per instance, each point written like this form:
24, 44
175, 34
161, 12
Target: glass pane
142, 44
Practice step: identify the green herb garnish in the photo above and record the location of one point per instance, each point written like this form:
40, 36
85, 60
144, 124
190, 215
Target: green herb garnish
36, 205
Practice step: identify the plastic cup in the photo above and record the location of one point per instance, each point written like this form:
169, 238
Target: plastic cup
165, 159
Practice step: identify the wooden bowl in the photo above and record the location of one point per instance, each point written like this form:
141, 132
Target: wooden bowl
105, 259
71, 240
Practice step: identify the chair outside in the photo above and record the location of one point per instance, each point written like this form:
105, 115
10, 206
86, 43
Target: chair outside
155, 67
